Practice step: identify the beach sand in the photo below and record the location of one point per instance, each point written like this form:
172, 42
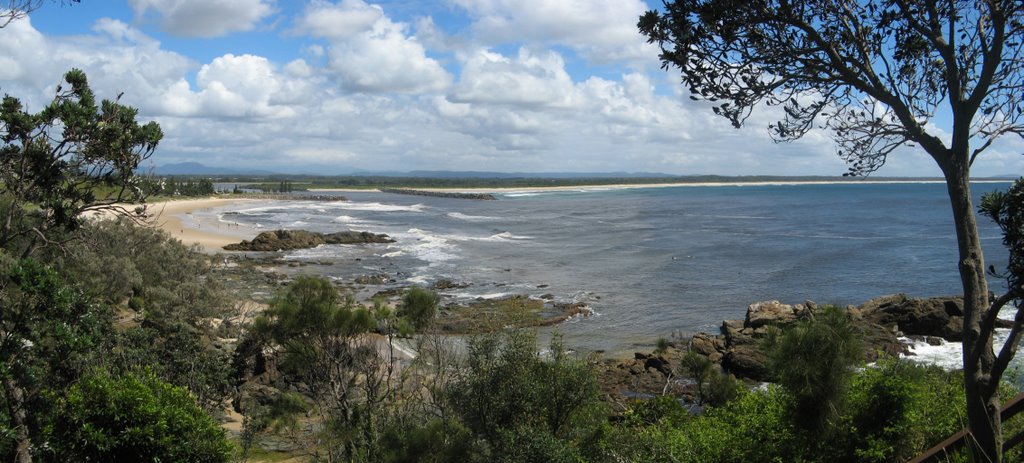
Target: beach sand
173, 217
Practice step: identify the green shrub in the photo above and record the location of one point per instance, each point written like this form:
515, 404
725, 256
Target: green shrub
419, 306
133, 417
814, 360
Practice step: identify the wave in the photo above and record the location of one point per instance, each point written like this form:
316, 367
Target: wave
470, 218
380, 207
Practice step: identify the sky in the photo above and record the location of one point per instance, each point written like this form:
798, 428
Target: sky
335, 87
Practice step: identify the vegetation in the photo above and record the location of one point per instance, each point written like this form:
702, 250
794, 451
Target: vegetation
132, 417
875, 74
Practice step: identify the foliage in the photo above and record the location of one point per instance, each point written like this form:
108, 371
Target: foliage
419, 306
323, 340
893, 410
52, 163
1006, 209
133, 417
436, 441
171, 186
117, 261
814, 361
516, 401
49, 335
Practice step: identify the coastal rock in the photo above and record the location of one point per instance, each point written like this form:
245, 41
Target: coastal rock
705, 344
286, 240
356, 237
371, 279
747, 362
769, 313
937, 316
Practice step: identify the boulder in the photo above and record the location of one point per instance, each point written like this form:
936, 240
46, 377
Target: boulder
769, 313
706, 344
747, 362
356, 237
937, 316
286, 240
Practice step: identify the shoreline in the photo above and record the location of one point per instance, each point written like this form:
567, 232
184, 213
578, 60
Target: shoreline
630, 186
172, 217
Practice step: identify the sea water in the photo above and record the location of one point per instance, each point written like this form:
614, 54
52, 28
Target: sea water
650, 262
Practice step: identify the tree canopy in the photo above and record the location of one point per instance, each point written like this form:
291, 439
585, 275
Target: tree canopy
75, 155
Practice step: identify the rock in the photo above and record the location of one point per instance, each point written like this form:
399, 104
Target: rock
933, 341
285, 240
658, 363
747, 362
356, 237
705, 344
371, 279
937, 316
449, 284
769, 313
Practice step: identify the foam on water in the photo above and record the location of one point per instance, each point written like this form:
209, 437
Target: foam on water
379, 207
470, 218
949, 355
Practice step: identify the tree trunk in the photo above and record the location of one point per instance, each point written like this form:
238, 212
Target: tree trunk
982, 392
19, 420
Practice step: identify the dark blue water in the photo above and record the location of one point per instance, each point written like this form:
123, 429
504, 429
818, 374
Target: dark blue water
653, 261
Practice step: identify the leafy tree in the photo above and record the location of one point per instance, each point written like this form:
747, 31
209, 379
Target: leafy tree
322, 340
133, 417
814, 361
875, 74
49, 334
525, 407
419, 306
73, 156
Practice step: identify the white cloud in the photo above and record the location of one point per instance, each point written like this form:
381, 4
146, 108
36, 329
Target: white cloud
602, 30
370, 53
342, 21
205, 18
528, 80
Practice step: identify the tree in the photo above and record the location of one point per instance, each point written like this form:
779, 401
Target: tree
322, 340
17, 9
133, 417
875, 74
814, 361
72, 157
49, 334
419, 306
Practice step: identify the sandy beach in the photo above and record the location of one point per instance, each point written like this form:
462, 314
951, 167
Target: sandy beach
173, 217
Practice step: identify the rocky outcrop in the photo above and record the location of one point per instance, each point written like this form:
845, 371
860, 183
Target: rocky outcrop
286, 240
439, 194
739, 348
937, 316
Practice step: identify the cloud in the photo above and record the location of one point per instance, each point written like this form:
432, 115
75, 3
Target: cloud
527, 80
205, 18
370, 53
603, 31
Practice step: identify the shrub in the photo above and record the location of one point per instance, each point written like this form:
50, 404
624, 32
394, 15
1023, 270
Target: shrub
814, 361
133, 417
419, 306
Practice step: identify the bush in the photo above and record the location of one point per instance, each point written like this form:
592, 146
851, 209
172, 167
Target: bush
419, 306
133, 417
814, 361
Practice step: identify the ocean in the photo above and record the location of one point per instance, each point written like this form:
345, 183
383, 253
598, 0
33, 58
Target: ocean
650, 262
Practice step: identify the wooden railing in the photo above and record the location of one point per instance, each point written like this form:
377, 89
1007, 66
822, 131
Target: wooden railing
943, 450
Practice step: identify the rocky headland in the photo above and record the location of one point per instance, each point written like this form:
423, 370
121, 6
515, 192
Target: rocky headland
286, 240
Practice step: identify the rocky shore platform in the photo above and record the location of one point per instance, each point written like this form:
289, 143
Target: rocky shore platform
287, 240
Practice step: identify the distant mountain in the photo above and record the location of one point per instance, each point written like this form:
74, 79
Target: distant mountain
195, 168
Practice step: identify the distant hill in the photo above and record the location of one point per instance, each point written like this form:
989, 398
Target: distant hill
195, 168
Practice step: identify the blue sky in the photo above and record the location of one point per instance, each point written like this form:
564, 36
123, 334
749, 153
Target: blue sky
354, 85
